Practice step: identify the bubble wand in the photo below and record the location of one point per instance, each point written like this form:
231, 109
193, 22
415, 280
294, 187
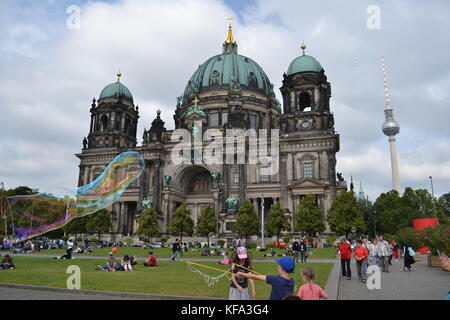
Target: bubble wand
208, 267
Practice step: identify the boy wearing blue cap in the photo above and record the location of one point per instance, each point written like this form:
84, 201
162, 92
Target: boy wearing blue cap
283, 284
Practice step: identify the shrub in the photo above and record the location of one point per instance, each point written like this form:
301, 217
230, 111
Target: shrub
269, 246
164, 240
286, 239
221, 242
128, 241
251, 246
331, 240
65, 238
78, 239
408, 236
310, 239
94, 239
437, 239
145, 240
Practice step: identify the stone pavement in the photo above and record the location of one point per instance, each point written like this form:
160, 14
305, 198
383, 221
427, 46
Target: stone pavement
424, 283
31, 292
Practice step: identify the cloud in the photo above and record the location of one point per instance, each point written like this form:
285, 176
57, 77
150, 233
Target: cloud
51, 74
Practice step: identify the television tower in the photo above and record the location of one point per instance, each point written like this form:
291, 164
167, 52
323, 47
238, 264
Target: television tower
391, 128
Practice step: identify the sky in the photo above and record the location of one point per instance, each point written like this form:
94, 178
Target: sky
54, 61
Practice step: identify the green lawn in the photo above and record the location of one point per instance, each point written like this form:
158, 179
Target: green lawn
168, 278
322, 253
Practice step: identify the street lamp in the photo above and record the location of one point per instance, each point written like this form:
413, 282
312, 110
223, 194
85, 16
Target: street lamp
432, 194
262, 222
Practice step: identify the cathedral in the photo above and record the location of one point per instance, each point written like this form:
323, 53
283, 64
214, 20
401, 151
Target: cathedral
228, 95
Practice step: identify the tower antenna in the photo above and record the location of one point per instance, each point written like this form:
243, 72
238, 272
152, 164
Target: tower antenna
391, 128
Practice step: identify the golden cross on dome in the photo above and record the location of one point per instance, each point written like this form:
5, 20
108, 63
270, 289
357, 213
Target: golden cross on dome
196, 101
118, 74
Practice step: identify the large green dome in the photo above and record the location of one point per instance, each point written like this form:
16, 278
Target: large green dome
116, 90
229, 70
304, 63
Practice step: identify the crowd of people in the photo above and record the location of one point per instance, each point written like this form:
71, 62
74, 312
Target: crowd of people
378, 252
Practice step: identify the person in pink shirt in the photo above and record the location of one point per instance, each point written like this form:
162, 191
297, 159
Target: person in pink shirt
310, 290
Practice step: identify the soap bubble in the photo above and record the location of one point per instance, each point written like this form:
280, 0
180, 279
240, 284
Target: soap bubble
34, 215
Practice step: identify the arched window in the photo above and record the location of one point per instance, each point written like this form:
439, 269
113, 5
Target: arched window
103, 123
305, 102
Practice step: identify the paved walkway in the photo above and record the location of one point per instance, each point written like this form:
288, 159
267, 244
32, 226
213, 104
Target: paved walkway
424, 283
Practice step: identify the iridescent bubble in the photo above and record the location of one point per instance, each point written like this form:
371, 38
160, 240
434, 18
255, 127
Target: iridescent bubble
36, 214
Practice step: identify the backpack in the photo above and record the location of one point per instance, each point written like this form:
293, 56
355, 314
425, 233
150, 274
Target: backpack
411, 252
296, 246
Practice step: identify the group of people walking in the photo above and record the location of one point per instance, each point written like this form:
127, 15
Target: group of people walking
378, 252
300, 248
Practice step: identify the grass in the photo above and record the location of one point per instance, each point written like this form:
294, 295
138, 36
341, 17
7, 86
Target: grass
172, 278
316, 253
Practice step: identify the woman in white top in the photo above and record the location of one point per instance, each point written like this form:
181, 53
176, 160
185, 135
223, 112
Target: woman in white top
373, 253
126, 264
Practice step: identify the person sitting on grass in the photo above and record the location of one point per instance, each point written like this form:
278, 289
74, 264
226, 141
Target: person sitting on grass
310, 290
7, 262
282, 284
126, 264
205, 252
133, 261
110, 264
226, 258
151, 260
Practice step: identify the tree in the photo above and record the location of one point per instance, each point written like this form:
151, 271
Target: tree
148, 223
345, 214
76, 226
182, 221
368, 214
99, 222
207, 221
277, 222
309, 216
392, 212
247, 221
444, 201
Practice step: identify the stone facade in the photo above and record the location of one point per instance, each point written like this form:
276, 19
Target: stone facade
307, 144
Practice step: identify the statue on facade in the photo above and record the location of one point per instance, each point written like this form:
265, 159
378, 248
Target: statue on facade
146, 204
231, 203
339, 176
85, 142
167, 179
216, 176
195, 133
179, 99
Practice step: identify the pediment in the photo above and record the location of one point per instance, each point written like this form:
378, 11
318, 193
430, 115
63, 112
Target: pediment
308, 183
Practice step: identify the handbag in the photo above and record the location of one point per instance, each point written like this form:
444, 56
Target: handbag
411, 252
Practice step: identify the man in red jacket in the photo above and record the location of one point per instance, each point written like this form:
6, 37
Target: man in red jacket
346, 253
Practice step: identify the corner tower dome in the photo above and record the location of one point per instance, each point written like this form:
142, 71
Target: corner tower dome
116, 90
304, 63
229, 70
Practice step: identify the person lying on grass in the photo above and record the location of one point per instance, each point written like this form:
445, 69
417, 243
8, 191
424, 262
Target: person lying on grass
282, 284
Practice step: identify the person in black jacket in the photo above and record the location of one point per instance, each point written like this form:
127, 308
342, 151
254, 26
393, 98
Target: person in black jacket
296, 250
408, 260
303, 250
